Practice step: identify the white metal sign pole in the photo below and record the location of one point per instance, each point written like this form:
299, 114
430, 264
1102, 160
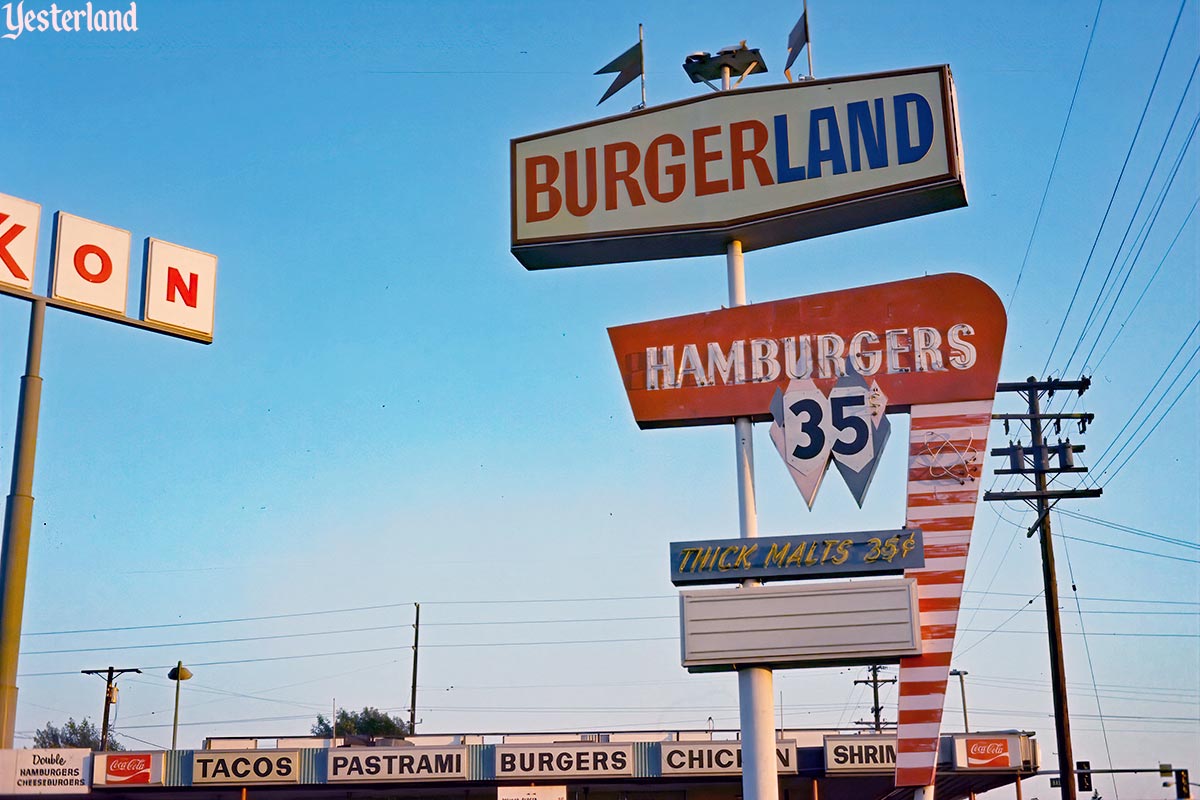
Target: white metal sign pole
756, 695
755, 692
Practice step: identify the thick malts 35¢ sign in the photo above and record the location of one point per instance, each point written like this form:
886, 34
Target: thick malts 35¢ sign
803, 557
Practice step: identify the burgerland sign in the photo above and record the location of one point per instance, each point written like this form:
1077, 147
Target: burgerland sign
768, 166
764, 166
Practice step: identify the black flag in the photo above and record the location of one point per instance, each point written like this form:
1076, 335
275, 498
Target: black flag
796, 40
628, 66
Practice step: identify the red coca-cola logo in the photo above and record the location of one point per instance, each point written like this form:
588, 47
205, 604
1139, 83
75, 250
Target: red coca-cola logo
128, 769
987, 753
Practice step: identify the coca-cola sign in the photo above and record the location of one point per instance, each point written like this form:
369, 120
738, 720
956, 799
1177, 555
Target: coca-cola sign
987, 753
129, 769
995, 751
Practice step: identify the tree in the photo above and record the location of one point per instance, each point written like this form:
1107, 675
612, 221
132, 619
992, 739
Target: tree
73, 734
368, 722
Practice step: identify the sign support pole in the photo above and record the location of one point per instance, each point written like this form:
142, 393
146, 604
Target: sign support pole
756, 692
755, 684
18, 509
18, 519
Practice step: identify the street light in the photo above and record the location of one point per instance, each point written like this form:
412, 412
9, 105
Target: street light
178, 673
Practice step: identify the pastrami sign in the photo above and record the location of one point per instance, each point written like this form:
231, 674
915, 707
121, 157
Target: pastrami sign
936, 339
397, 764
765, 166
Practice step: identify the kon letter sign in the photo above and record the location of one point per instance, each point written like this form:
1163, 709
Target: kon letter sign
929, 347
764, 166
91, 263
18, 241
181, 288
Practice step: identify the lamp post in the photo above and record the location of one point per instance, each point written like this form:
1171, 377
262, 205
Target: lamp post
962, 686
178, 673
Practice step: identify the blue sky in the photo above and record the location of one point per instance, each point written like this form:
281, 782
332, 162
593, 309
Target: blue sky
395, 411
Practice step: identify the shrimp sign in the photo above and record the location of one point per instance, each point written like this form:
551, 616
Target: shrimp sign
765, 166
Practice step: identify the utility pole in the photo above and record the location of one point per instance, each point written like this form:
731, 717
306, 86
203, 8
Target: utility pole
962, 687
1035, 464
412, 706
110, 695
876, 709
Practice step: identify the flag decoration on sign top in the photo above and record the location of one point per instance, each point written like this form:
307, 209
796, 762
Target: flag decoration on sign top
797, 39
628, 66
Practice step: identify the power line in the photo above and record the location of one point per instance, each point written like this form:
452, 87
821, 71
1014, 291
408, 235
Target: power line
1087, 648
383, 650
1057, 152
1100, 599
1155, 208
1173, 700
497, 622
196, 643
1145, 399
1128, 549
1020, 526
1139, 687
296, 614
1149, 433
1157, 269
368, 629
1012, 541
272, 637
1116, 186
1129, 529
229, 620
1093, 611
1136, 251
1132, 634
996, 629
124, 735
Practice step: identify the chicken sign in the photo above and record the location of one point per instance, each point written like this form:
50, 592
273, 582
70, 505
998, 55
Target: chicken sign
825, 370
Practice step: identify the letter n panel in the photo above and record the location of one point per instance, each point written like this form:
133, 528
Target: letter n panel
181, 288
947, 442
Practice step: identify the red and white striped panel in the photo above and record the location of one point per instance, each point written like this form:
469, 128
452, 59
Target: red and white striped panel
947, 443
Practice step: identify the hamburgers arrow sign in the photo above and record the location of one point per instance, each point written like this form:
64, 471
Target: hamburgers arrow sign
925, 340
826, 369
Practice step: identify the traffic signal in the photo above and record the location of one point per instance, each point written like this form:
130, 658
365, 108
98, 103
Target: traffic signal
1083, 771
1182, 788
